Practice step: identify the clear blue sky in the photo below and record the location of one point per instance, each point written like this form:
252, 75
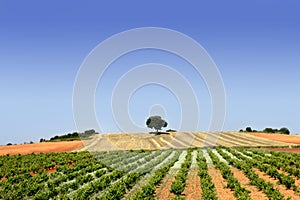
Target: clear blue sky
255, 44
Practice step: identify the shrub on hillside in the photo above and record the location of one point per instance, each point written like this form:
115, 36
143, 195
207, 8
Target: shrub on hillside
284, 131
248, 129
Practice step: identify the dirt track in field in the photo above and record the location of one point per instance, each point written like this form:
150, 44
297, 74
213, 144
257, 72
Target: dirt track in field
43, 147
163, 192
192, 189
220, 185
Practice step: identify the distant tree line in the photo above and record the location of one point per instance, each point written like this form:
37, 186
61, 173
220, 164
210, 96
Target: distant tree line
71, 136
269, 130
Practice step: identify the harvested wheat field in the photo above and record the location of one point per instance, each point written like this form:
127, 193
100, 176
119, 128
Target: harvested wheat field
43, 147
136, 141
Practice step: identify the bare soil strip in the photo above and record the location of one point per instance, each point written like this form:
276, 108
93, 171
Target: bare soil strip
223, 193
192, 189
162, 192
292, 150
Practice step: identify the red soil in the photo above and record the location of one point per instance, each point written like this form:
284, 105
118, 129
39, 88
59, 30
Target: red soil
295, 139
220, 185
51, 170
192, 189
292, 150
163, 192
44, 147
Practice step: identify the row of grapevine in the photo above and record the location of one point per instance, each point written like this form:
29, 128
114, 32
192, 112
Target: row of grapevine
179, 183
147, 190
68, 177
136, 174
232, 183
12, 165
107, 184
207, 186
288, 162
29, 184
255, 180
263, 164
141, 171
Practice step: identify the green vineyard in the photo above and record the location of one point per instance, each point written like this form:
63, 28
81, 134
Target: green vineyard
194, 173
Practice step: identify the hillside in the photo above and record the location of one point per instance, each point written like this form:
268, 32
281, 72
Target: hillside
133, 141
295, 139
42, 147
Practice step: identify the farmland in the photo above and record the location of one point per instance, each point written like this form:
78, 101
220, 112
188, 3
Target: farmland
43, 147
135, 141
136, 166
192, 173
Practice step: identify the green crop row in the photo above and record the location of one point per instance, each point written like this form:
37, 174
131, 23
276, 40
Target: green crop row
147, 191
207, 186
178, 184
240, 192
245, 165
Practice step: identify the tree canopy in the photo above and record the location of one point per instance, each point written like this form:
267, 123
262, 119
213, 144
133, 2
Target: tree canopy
283, 130
156, 122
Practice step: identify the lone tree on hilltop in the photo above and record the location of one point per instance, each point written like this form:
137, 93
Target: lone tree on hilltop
156, 122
